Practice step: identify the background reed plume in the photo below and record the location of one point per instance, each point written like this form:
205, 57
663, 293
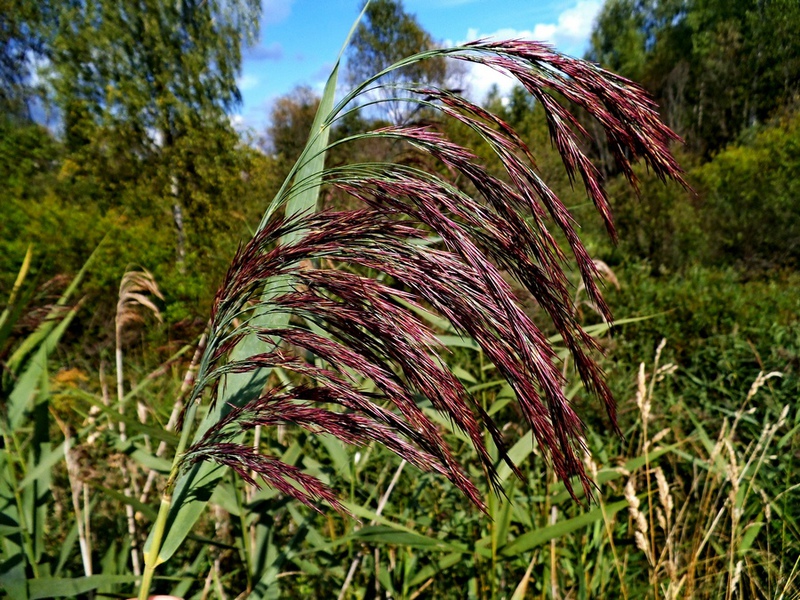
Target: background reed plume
337, 298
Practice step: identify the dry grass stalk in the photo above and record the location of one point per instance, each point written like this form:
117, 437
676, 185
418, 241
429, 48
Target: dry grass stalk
177, 407
136, 290
381, 505
608, 523
662, 557
701, 551
640, 524
78, 487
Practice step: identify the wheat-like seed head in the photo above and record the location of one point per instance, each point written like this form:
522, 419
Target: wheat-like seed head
663, 491
642, 399
639, 521
760, 380
136, 289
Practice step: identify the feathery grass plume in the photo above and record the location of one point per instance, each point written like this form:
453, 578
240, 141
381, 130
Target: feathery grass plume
358, 325
335, 297
136, 291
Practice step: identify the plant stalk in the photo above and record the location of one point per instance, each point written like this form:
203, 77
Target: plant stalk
151, 560
151, 557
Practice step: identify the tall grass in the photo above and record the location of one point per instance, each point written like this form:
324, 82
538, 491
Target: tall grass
714, 499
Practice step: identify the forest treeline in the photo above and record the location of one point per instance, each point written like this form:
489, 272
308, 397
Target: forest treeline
115, 129
726, 76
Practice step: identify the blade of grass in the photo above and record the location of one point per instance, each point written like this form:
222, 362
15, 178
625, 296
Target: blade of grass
189, 504
538, 537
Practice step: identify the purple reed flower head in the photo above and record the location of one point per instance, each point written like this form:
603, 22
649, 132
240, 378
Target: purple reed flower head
355, 283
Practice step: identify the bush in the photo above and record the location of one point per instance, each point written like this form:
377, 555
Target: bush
749, 191
745, 212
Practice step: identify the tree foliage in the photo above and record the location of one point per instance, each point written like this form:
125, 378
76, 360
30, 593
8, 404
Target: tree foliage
727, 78
290, 123
716, 67
752, 189
150, 66
22, 44
141, 92
386, 35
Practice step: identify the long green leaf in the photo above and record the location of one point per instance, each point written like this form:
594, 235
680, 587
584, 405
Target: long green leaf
543, 535
384, 534
156, 433
365, 513
44, 329
37, 493
602, 328
147, 510
147, 459
447, 561
194, 489
47, 462
27, 385
62, 587
6, 318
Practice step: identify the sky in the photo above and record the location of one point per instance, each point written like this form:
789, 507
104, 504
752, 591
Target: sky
300, 40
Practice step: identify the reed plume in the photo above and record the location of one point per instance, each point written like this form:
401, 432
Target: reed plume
362, 327
337, 297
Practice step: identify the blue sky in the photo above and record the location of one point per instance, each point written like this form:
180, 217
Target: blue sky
300, 39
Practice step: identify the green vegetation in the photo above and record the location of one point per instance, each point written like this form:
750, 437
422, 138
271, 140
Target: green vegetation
119, 226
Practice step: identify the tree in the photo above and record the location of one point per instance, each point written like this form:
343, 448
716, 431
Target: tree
386, 35
715, 66
139, 93
648, 41
22, 43
153, 64
618, 39
749, 191
290, 123
141, 84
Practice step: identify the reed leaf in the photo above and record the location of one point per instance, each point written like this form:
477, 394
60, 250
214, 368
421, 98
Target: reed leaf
300, 191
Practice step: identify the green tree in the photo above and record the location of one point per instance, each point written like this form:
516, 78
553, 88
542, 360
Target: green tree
386, 35
750, 192
141, 91
618, 39
290, 121
142, 86
152, 64
29, 159
22, 43
714, 66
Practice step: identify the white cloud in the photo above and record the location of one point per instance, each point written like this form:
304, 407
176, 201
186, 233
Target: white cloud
275, 11
236, 121
247, 82
568, 34
481, 79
